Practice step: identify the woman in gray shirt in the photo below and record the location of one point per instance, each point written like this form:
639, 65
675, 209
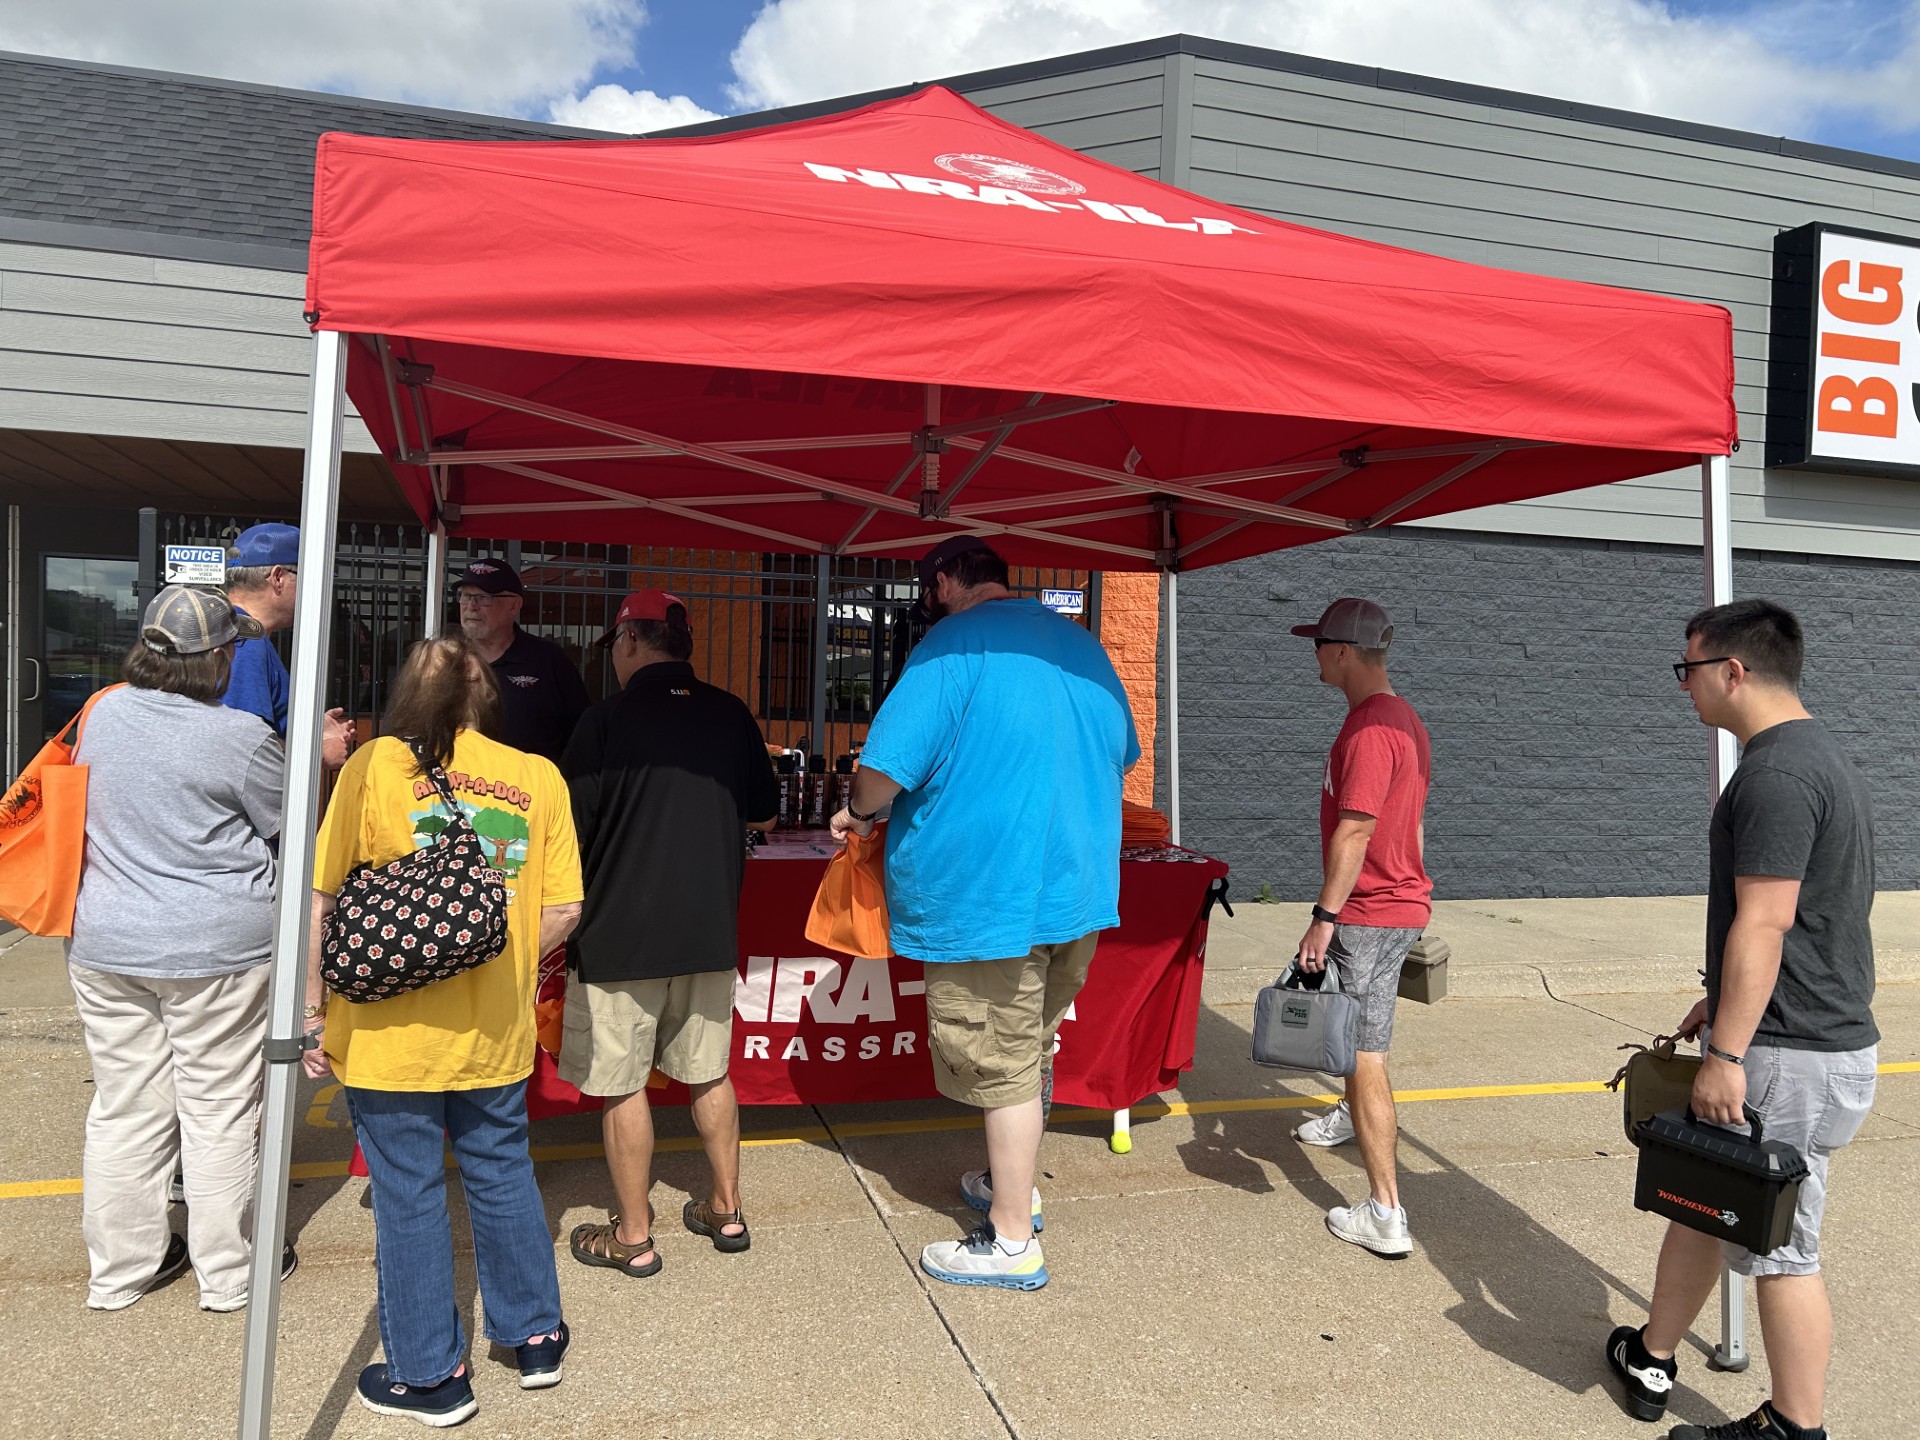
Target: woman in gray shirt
172, 932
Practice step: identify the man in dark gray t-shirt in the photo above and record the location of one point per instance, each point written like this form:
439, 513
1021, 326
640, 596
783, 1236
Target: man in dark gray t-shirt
1798, 808
1786, 1027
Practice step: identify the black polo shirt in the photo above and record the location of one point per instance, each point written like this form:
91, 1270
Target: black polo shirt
542, 696
665, 775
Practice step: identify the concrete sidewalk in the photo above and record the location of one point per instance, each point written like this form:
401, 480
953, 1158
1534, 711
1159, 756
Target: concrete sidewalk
1195, 1291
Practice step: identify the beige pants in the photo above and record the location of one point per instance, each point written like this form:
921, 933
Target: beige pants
177, 1075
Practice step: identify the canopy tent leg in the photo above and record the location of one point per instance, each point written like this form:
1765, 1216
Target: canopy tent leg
434, 612
1173, 705
319, 512
1716, 540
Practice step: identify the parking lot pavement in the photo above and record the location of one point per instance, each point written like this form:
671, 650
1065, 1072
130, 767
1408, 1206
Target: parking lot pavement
1195, 1289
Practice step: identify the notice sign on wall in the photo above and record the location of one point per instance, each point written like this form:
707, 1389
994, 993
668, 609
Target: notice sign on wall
195, 565
1846, 302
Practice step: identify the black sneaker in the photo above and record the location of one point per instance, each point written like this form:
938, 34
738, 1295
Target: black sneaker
540, 1359
440, 1406
289, 1260
176, 1263
1762, 1424
1648, 1381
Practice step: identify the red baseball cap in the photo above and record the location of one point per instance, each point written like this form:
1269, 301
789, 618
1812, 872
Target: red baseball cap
645, 605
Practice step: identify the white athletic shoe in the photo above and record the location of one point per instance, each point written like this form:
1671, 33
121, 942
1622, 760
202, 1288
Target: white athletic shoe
1366, 1226
976, 1188
977, 1259
1327, 1129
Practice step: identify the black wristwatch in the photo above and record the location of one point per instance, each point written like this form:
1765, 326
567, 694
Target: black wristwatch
863, 819
1326, 916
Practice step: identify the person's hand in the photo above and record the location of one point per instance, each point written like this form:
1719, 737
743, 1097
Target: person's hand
1312, 950
315, 1061
1696, 1018
1720, 1092
336, 738
843, 824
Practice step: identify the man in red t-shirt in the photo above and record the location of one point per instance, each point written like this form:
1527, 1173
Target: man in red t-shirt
1375, 898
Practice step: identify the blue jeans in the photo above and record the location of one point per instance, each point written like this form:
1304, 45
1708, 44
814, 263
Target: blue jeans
402, 1134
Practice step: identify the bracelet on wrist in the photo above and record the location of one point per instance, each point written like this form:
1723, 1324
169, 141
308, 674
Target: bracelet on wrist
313, 1012
854, 814
1720, 1054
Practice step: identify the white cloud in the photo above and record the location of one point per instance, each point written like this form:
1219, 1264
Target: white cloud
1631, 54
495, 56
627, 112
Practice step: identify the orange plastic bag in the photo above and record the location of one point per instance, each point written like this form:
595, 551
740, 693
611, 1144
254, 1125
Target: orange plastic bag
850, 908
43, 834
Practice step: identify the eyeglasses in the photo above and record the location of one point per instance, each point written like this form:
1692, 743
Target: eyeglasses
477, 597
1681, 667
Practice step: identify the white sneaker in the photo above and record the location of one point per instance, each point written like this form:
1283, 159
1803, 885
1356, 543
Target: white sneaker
977, 1259
1367, 1226
976, 1188
1327, 1129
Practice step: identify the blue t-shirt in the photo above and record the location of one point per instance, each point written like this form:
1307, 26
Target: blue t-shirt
259, 682
1010, 732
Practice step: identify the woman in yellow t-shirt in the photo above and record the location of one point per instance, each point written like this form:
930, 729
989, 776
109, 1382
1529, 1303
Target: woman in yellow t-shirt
448, 1063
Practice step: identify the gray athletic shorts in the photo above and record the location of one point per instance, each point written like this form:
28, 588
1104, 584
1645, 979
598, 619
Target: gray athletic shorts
1369, 958
1816, 1101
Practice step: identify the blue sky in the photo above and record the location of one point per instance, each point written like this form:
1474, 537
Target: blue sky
1842, 72
685, 48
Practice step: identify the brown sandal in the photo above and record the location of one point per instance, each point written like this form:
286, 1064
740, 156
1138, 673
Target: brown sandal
702, 1219
601, 1245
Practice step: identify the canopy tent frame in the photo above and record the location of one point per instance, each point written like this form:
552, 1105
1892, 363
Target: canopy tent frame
1202, 493
1356, 376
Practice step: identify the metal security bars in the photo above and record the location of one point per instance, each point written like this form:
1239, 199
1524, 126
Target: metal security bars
756, 618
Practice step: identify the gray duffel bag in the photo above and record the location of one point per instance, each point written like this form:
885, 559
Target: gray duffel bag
1297, 1028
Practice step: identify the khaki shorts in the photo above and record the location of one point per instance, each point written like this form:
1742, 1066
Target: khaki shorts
990, 1023
614, 1035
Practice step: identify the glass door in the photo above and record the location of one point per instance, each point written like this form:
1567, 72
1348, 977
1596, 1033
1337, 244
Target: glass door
89, 618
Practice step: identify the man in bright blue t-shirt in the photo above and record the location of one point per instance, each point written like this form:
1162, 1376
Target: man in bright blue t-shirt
260, 582
1002, 747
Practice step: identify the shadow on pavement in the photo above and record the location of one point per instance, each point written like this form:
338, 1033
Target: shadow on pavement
1524, 1293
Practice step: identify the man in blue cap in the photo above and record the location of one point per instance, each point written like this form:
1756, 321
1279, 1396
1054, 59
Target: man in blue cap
260, 583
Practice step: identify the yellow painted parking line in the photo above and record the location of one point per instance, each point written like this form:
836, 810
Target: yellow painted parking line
867, 1129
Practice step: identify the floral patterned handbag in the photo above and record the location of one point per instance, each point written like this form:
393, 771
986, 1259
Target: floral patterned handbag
430, 915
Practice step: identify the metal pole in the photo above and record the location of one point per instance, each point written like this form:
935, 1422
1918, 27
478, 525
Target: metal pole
1173, 705
313, 617
1716, 538
1716, 542
148, 585
434, 613
823, 575
15, 655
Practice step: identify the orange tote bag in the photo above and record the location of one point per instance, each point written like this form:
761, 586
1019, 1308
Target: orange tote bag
850, 908
43, 834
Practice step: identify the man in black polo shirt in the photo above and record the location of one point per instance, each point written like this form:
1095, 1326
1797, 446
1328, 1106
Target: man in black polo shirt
667, 776
541, 695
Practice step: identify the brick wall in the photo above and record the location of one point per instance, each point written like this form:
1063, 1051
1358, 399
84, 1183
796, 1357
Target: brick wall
1566, 760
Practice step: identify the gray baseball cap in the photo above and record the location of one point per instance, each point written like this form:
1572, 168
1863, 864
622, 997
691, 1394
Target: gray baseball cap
181, 620
1351, 622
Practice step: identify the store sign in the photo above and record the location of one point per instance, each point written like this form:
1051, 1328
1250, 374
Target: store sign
196, 565
1846, 344
1065, 602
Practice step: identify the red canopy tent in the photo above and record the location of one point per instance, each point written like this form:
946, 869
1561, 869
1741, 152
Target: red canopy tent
859, 334
762, 339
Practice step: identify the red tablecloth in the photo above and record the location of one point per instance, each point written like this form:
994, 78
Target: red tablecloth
823, 1029
812, 1029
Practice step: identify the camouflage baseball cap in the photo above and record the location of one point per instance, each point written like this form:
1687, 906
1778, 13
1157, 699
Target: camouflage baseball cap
182, 620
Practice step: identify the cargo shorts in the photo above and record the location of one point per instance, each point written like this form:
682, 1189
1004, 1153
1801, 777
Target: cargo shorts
614, 1034
1368, 958
991, 1023
1816, 1101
